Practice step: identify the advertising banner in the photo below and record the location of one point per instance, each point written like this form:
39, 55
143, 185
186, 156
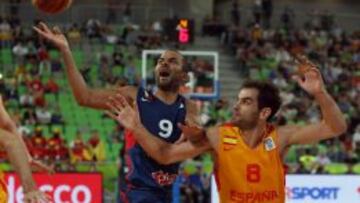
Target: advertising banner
62, 187
316, 189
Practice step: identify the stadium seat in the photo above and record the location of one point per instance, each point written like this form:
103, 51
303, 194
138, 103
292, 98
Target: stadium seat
109, 172
356, 169
4, 166
336, 168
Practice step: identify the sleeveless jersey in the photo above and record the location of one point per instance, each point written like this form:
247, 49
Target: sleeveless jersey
247, 175
160, 120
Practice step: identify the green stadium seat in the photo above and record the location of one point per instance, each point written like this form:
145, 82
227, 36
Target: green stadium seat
83, 167
109, 48
356, 169
109, 171
291, 156
78, 57
208, 167
336, 168
190, 167
6, 56
54, 53
4, 166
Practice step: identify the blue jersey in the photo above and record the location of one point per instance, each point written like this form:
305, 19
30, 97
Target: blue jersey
161, 120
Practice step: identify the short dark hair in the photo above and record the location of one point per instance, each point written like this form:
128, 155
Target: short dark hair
184, 66
269, 95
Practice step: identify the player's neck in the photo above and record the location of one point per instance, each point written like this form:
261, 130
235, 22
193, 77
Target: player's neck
253, 137
167, 97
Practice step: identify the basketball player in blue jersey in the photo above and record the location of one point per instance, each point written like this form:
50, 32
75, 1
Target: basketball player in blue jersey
149, 179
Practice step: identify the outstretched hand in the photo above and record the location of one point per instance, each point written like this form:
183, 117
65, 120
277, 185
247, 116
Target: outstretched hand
309, 77
53, 35
122, 112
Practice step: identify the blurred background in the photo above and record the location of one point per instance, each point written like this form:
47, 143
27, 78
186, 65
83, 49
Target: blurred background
253, 39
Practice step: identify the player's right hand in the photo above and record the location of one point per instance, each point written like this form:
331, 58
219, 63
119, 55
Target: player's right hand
55, 36
122, 112
36, 196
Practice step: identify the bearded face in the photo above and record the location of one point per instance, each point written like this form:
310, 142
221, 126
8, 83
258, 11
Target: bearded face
246, 112
168, 71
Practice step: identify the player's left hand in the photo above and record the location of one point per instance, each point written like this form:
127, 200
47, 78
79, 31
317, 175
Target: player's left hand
122, 112
309, 77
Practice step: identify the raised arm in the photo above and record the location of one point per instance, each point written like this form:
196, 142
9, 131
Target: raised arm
333, 122
18, 156
161, 151
85, 96
7, 124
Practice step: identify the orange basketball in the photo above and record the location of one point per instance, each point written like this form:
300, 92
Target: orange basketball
52, 6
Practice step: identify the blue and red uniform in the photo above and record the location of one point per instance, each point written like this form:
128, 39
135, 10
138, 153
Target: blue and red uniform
146, 180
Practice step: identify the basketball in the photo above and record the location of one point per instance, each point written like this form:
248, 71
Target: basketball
53, 6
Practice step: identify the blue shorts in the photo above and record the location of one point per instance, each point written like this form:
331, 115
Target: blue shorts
145, 196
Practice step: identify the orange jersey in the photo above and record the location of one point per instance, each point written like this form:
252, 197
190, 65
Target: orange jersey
3, 188
247, 175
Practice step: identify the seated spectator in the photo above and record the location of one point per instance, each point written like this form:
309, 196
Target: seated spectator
44, 60
27, 99
74, 35
38, 147
36, 85
57, 148
196, 185
52, 87
96, 147
56, 65
29, 117
43, 115
39, 99
356, 137
20, 73
57, 118
307, 160
321, 161
78, 149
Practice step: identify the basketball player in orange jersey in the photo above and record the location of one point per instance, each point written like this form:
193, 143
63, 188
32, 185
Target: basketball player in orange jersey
20, 159
249, 150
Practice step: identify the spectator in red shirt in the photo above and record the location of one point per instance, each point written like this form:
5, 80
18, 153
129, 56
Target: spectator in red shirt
35, 84
44, 59
38, 143
52, 87
57, 149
